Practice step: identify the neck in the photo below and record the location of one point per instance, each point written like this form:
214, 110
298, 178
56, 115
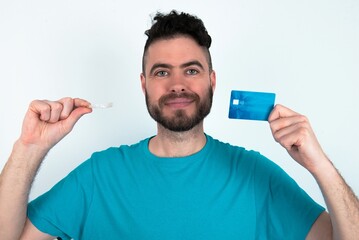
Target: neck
177, 144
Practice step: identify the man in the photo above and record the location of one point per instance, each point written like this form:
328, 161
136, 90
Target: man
181, 183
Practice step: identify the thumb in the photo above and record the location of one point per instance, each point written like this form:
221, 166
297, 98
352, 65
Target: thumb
74, 116
280, 111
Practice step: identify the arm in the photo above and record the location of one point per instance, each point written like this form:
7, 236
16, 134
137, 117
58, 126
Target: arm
294, 133
45, 124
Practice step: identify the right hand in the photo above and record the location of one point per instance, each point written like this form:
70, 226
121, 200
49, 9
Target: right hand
47, 122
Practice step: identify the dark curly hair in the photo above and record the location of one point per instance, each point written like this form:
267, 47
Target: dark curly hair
174, 24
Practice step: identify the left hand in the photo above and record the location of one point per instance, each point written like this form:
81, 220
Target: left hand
293, 131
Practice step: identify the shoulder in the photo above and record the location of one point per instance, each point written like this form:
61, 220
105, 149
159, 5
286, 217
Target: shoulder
257, 162
233, 151
120, 151
244, 160
112, 157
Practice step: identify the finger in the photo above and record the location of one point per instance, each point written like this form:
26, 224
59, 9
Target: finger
279, 111
79, 108
55, 111
41, 109
69, 104
292, 135
281, 123
78, 102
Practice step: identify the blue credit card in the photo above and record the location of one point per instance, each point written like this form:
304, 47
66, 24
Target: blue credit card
251, 105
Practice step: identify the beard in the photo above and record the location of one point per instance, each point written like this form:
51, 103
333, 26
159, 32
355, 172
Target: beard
181, 121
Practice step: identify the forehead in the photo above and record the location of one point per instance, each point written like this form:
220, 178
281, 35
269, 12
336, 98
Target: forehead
175, 51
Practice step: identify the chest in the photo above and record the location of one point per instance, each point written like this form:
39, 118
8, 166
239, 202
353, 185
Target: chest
174, 205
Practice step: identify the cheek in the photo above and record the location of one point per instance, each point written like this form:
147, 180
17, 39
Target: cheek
202, 90
153, 93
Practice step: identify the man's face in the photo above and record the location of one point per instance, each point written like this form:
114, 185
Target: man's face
177, 83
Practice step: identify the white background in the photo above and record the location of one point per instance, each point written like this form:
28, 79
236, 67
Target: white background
305, 51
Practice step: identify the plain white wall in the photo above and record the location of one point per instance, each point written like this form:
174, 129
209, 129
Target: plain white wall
305, 51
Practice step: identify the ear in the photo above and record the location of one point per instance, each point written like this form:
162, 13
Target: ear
212, 78
143, 83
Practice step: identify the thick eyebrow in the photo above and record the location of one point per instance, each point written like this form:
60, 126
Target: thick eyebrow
159, 65
168, 66
194, 62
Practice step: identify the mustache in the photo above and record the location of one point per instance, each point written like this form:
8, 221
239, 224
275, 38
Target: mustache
174, 95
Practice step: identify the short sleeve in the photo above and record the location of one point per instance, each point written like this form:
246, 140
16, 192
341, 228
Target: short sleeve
62, 211
284, 209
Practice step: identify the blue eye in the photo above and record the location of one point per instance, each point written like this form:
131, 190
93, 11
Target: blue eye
192, 71
161, 73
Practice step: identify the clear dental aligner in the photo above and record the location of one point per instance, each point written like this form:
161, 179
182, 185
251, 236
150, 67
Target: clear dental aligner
101, 105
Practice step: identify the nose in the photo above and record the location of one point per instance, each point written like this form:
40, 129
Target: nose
177, 83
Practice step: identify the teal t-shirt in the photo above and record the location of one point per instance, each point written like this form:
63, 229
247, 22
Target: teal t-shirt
220, 192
